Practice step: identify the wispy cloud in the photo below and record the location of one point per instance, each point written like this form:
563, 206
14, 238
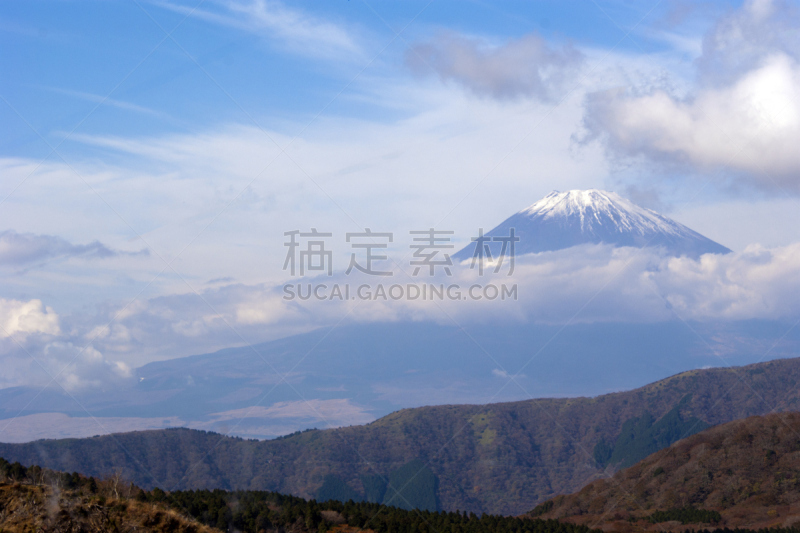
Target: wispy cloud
295, 30
104, 100
21, 249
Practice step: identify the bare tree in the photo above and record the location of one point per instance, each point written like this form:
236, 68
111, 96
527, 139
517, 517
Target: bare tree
116, 482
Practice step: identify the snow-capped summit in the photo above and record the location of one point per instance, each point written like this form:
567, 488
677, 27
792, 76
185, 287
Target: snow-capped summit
564, 219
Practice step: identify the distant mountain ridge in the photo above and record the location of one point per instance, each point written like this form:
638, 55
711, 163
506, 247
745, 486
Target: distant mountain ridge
499, 458
565, 219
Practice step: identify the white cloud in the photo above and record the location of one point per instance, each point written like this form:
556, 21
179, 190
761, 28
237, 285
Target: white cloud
752, 126
583, 284
528, 66
76, 367
122, 369
742, 39
742, 116
27, 318
757, 283
597, 284
60, 356
114, 331
221, 193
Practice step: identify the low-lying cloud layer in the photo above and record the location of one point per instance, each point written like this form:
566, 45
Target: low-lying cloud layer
583, 284
280, 418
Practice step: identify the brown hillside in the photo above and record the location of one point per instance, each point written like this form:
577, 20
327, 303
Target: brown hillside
29, 508
747, 470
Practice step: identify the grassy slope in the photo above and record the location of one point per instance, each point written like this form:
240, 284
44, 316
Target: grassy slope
748, 470
499, 458
29, 508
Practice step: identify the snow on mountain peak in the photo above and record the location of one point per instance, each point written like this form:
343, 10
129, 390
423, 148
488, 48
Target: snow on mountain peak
594, 207
571, 218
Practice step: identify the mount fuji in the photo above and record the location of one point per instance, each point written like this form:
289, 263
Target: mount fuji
565, 219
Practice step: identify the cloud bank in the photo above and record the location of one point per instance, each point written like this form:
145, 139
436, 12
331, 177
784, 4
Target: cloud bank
584, 284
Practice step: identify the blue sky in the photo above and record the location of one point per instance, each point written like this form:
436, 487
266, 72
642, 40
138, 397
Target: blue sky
67, 56
153, 153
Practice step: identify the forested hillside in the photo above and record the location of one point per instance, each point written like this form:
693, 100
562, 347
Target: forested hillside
744, 473
499, 458
43, 500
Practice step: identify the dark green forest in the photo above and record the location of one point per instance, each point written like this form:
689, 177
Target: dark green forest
686, 515
643, 435
412, 486
254, 511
